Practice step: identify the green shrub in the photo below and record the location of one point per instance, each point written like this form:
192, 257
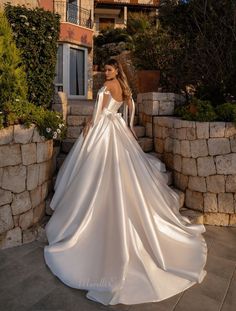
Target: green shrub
36, 34
227, 112
197, 110
49, 123
12, 75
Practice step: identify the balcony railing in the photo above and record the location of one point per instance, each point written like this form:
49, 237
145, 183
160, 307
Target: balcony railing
74, 14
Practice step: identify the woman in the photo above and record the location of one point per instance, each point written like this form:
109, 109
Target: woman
116, 229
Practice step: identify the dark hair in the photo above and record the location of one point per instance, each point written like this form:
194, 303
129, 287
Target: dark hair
121, 77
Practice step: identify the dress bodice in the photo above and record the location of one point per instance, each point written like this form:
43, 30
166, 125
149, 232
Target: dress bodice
113, 105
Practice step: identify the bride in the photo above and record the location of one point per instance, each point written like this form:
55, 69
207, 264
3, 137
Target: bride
116, 230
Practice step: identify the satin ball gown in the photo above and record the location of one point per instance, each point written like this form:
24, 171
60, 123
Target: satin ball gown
116, 230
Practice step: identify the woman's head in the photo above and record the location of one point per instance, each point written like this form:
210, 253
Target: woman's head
113, 69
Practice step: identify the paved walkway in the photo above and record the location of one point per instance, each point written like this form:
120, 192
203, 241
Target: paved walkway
27, 284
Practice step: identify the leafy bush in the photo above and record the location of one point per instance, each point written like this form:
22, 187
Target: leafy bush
36, 33
197, 110
227, 112
12, 74
49, 123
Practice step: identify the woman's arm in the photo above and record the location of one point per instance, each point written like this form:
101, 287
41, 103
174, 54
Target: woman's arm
131, 107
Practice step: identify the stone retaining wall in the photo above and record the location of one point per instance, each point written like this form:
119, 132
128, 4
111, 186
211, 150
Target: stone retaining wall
26, 169
202, 156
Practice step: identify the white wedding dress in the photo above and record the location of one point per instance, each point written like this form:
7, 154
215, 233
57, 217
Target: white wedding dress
116, 229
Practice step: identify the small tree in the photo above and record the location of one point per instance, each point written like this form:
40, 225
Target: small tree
12, 75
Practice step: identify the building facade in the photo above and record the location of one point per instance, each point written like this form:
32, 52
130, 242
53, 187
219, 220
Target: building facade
75, 45
115, 13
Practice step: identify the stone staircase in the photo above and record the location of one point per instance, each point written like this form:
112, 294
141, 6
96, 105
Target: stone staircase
80, 112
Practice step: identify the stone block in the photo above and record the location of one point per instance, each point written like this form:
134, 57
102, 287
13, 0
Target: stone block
29, 235
1, 175
168, 159
164, 121
232, 220
218, 146
230, 129
177, 162
181, 133
38, 212
5, 197
21, 203
159, 145
16, 220
203, 130
6, 220
77, 120
45, 171
12, 238
45, 188
217, 219
26, 219
6, 135
194, 200
177, 123
29, 155
10, 155
37, 138
231, 183
186, 123
36, 196
81, 110
226, 202
176, 146
180, 180
151, 107
215, 183
233, 143
44, 151
23, 134
198, 148
185, 148
14, 178
206, 166
217, 129
191, 133
33, 176
149, 129
197, 183
189, 166
168, 144
226, 164
210, 202
165, 132
166, 107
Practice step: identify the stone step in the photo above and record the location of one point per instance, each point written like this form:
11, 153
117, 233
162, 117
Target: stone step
67, 144
81, 109
139, 130
195, 217
60, 159
146, 143
73, 132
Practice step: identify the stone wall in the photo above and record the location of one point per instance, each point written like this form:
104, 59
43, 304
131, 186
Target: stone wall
26, 169
202, 156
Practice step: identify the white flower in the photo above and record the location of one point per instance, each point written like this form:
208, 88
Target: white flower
48, 129
50, 37
23, 16
58, 131
17, 100
13, 24
60, 125
27, 24
54, 135
58, 116
33, 28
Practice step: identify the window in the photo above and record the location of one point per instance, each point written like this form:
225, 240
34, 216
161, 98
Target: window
59, 69
77, 72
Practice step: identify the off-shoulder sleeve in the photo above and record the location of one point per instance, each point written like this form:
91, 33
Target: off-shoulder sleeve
129, 112
98, 104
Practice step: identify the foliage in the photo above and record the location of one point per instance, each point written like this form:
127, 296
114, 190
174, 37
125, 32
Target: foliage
197, 110
36, 33
12, 74
49, 123
227, 112
207, 60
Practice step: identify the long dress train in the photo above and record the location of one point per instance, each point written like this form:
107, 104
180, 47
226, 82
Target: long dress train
116, 229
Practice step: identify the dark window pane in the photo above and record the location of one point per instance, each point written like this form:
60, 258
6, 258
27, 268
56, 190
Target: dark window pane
77, 72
